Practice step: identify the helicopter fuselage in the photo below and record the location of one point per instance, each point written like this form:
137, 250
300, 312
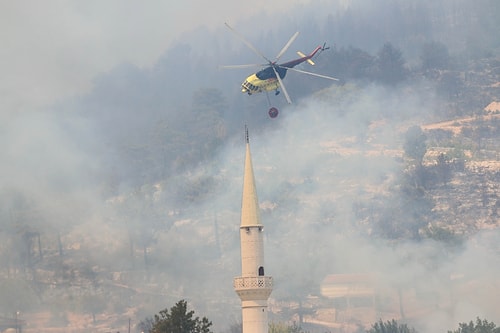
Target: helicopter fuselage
266, 80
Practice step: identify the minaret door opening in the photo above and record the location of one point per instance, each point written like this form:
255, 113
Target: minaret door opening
261, 271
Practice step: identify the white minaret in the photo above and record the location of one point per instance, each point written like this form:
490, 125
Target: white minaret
253, 286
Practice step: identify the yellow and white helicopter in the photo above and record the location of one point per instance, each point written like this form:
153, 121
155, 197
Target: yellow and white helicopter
271, 77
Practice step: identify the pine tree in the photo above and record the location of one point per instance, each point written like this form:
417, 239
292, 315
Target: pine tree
179, 320
390, 327
481, 326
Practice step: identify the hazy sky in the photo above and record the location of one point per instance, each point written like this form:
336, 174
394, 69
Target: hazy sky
53, 49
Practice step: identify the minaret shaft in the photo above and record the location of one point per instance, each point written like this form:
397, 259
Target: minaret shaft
253, 286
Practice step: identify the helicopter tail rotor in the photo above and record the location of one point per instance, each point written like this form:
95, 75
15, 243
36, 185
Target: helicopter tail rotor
323, 48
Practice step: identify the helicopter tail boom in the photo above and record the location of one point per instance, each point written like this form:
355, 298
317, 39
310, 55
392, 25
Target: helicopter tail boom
320, 49
302, 55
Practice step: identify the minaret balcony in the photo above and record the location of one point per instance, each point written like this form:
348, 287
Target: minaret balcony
253, 282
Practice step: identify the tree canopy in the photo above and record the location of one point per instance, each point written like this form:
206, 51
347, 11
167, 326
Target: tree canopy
480, 326
414, 145
391, 326
179, 320
391, 65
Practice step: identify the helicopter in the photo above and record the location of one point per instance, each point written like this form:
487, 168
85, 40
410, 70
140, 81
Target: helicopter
270, 78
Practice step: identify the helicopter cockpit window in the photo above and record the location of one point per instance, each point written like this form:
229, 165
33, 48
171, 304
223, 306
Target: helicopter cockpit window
268, 73
247, 85
265, 73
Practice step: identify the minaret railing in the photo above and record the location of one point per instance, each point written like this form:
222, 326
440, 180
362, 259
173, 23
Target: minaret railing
253, 282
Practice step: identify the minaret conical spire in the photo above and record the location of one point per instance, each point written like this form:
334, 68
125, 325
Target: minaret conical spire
250, 214
253, 286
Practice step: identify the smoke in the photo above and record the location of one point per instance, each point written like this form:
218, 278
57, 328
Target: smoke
321, 157
177, 238
45, 164
320, 160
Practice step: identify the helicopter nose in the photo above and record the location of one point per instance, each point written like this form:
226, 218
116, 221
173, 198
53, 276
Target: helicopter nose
245, 87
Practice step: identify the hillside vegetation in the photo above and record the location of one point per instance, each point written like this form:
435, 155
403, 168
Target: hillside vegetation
394, 171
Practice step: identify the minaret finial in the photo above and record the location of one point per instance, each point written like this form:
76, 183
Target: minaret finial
246, 134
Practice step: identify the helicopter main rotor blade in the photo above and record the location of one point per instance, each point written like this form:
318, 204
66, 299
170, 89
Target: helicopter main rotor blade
248, 44
282, 86
313, 74
243, 66
283, 50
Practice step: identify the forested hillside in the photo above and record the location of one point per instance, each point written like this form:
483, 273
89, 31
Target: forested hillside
394, 170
